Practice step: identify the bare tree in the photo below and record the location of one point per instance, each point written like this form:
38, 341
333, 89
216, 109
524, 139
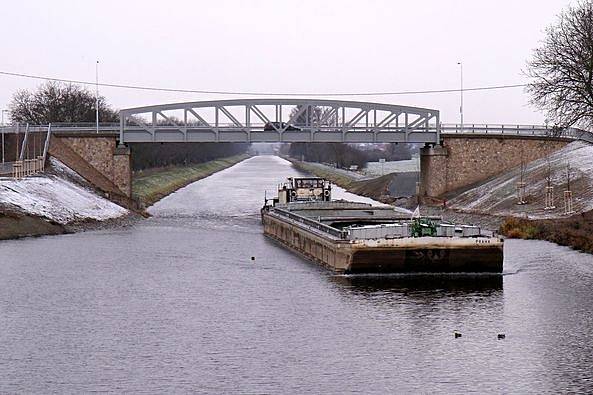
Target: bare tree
562, 68
57, 102
340, 153
315, 115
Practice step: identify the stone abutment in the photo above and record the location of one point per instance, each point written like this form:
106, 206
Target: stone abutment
466, 160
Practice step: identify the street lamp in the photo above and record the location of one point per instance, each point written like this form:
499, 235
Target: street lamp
97, 94
461, 95
3, 111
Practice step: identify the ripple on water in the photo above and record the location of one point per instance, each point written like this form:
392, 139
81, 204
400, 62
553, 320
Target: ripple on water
175, 304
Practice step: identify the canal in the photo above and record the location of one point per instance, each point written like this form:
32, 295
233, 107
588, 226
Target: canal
175, 304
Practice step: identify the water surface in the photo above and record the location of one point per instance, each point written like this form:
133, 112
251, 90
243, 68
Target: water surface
175, 304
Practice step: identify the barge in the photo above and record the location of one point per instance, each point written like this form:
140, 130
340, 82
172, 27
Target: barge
351, 237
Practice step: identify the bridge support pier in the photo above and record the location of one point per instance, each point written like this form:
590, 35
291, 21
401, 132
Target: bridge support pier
433, 170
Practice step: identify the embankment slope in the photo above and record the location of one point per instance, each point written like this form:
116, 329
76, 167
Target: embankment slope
498, 196
51, 203
150, 186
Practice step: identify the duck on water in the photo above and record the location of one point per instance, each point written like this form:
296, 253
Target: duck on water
350, 237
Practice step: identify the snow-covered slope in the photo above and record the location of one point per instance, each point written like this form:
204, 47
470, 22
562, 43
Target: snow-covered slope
499, 195
57, 199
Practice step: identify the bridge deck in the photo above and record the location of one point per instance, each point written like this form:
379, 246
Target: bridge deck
369, 136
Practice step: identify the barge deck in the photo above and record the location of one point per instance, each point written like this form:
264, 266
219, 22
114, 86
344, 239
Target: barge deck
350, 237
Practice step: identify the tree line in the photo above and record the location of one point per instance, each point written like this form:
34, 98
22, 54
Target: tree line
346, 155
339, 154
149, 155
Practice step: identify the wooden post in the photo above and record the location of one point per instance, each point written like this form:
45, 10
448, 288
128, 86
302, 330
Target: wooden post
521, 193
568, 203
17, 170
549, 198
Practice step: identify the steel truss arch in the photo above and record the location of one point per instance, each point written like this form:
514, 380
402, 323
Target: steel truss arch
280, 120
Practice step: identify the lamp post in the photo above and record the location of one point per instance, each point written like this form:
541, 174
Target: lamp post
3, 111
97, 94
461, 95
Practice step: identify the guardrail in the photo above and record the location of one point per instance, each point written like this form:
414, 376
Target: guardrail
518, 130
28, 160
312, 223
22, 168
62, 128
494, 129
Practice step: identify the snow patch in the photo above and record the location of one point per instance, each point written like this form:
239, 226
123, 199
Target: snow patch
499, 195
57, 199
65, 171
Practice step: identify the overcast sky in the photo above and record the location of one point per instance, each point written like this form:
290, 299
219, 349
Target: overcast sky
286, 47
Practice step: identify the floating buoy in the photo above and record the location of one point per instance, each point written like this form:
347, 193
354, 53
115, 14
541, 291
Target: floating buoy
253, 258
457, 334
501, 336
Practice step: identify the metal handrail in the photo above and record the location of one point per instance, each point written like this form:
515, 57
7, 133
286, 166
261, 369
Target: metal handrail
518, 130
312, 223
494, 129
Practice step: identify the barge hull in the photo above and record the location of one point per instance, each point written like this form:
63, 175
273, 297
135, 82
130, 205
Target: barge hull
345, 257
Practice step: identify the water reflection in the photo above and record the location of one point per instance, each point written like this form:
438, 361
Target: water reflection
174, 304
439, 284
428, 301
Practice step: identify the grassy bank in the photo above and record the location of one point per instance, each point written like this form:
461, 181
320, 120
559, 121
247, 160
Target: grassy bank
152, 185
335, 177
575, 231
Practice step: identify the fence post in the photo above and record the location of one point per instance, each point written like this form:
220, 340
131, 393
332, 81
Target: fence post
568, 202
17, 170
549, 198
521, 193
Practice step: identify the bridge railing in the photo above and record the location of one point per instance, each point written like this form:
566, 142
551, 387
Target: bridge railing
518, 130
77, 128
535, 130
74, 128
62, 128
494, 129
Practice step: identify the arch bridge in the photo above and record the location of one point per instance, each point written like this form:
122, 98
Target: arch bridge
280, 120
